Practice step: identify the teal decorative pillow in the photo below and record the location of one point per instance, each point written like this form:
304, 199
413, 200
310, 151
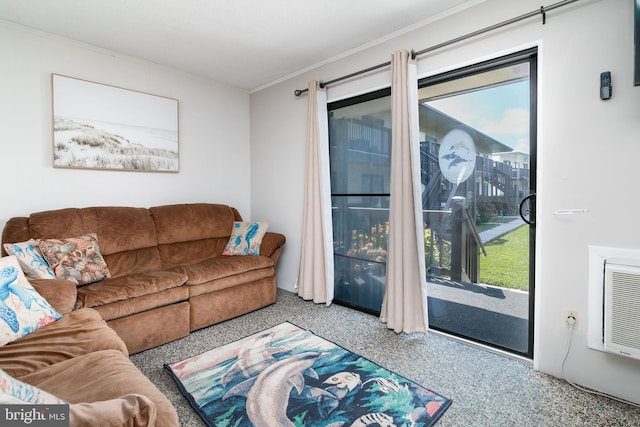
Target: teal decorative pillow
246, 238
30, 258
22, 308
13, 391
77, 258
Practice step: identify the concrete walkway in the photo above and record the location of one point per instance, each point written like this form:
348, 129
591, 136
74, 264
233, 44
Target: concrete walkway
503, 228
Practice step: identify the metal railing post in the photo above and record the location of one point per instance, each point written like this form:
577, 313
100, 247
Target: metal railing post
458, 238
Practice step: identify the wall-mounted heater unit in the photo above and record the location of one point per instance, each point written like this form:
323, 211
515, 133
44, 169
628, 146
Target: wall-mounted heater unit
622, 309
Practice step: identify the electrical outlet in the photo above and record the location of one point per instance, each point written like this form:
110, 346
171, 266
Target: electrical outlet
568, 314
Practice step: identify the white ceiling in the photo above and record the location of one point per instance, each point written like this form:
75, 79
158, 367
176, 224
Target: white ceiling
245, 43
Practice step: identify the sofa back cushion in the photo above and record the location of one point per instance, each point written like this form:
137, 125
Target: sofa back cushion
189, 233
126, 235
136, 240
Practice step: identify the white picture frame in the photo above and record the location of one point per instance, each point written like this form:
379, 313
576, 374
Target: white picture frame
98, 126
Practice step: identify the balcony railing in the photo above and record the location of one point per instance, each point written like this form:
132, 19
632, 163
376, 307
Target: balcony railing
452, 241
466, 244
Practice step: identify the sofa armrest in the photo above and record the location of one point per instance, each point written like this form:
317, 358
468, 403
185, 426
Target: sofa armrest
60, 293
271, 242
15, 230
130, 410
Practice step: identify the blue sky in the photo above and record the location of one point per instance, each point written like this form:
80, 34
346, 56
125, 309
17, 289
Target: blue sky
501, 112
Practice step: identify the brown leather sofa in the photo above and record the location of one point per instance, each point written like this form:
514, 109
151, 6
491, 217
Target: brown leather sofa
168, 274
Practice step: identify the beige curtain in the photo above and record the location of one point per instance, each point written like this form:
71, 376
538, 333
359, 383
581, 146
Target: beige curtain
315, 277
404, 307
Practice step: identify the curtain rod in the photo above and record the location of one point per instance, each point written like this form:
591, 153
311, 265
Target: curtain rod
542, 11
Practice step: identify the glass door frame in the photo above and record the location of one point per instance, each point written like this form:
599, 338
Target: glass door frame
530, 56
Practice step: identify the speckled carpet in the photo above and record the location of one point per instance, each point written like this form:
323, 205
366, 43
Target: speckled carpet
288, 376
487, 389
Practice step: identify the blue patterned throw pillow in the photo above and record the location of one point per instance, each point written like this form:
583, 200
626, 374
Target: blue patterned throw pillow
13, 391
22, 308
30, 258
246, 238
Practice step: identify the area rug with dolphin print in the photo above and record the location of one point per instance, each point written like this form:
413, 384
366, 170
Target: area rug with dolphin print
288, 376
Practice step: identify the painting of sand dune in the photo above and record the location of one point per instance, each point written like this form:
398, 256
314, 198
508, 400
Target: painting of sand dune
99, 126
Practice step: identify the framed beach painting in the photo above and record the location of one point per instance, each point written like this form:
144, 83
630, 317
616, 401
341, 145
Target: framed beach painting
98, 126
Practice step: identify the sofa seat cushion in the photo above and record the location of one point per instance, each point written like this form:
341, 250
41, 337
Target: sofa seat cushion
127, 287
77, 333
100, 376
249, 277
131, 306
223, 267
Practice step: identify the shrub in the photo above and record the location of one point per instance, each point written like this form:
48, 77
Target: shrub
486, 212
441, 258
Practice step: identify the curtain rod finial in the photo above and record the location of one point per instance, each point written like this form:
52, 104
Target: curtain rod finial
297, 92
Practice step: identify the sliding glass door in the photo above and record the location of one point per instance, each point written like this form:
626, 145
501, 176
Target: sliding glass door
477, 133
478, 175
360, 147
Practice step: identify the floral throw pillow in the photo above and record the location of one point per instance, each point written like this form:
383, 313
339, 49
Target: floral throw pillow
13, 391
30, 258
246, 238
77, 259
22, 308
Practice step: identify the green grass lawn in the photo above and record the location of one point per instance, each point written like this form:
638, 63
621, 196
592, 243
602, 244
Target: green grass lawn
507, 260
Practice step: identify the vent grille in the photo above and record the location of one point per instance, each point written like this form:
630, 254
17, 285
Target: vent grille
622, 310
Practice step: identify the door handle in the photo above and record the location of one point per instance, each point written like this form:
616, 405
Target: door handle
530, 211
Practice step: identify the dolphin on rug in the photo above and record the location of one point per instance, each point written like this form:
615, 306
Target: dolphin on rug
253, 357
268, 393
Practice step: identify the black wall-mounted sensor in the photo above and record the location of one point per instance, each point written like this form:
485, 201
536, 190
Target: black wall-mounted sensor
605, 85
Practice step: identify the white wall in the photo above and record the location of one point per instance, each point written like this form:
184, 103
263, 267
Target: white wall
213, 119
587, 154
